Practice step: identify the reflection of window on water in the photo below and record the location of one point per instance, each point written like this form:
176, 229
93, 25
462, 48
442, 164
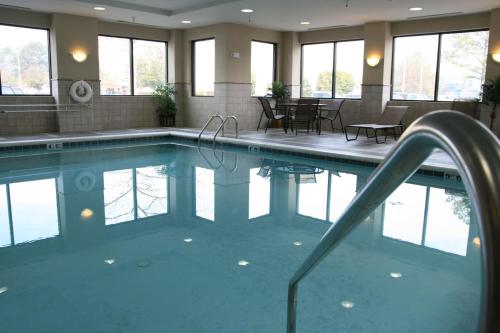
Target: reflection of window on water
259, 195
328, 196
135, 193
442, 225
205, 193
33, 207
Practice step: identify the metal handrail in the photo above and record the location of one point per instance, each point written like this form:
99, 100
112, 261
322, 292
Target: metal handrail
221, 127
476, 152
208, 123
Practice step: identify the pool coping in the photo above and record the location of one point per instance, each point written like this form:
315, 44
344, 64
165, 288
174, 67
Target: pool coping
71, 140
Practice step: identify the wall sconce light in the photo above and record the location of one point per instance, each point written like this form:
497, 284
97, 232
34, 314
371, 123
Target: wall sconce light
79, 55
496, 57
373, 61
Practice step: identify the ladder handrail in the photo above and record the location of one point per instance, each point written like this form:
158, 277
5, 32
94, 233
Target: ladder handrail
209, 121
476, 152
221, 127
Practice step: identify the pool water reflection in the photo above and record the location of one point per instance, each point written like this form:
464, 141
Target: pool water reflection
155, 238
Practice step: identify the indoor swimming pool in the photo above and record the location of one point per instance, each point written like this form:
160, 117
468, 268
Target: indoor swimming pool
164, 236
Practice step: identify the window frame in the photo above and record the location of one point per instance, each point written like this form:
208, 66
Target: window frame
275, 59
193, 65
334, 66
49, 52
131, 57
438, 63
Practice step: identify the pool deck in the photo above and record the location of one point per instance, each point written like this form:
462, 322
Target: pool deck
333, 145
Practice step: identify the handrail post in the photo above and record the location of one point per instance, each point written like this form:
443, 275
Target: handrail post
476, 152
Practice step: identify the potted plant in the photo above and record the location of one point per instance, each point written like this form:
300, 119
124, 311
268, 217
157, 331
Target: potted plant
491, 94
279, 91
165, 104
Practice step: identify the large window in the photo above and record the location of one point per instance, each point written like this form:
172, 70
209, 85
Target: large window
259, 195
24, 61
203, 69
332, 69
263, 67
439, 67
204, 193
117, 56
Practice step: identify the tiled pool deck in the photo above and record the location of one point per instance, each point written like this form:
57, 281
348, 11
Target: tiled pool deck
326, 144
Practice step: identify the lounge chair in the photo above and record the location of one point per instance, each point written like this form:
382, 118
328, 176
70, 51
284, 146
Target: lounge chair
389, 120
268, 111
306, 113
332, 112
468, 107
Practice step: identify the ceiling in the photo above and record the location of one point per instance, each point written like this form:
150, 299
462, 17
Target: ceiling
284, 15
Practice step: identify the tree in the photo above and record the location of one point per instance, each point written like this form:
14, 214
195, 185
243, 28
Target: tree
461, 206
344, 83
324, 81
306, 88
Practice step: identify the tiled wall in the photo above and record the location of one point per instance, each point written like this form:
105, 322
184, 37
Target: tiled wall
26, 122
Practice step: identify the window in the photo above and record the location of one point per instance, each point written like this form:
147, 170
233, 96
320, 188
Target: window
313, 196
134, 194
203, 71
118, 55
263, 71
205, 193
24, 61
439, 67
28, 212
332, 69
259, 195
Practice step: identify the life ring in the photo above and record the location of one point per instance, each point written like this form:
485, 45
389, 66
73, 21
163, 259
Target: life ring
85, 181
81, 91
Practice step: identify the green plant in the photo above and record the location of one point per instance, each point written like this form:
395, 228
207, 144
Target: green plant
163, 98
279, 91
491, 94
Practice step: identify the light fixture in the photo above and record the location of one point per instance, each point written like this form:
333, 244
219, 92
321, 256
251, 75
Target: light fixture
243, 263
247, 10
373, 61
87, 213
396, 275
188, 240
109, 261
496, 57
305, 22
79, 55
297, 243
416, 9
100, 8
347, 304
186, 22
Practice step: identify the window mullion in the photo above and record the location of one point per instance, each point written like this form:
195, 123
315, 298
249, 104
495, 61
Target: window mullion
438, 69
334, 69
132, 79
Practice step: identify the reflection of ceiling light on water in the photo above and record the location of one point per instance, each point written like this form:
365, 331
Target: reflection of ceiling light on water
188, 240
396, 275
476, 242
109, 261
297, 243
243, 263
347, 304
87, 213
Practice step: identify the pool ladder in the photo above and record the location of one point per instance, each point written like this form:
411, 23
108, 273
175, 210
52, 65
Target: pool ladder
476, 152
220, 129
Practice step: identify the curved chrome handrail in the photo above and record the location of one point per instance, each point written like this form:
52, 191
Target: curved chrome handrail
208, 123
476, 152
221, 127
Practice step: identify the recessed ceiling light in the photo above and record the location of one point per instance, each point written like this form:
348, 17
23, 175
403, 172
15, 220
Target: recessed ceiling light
100, 8
416, 9
347, 304
185, 21
396, 275
247, 10
243, 263
305, 23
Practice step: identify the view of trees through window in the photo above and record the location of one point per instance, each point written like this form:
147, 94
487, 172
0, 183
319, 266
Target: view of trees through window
461, 70
318, 74
262, 67
204, 67
149, 60
24, 61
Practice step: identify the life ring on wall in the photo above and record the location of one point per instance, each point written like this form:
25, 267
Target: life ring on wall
81, 91
85, 181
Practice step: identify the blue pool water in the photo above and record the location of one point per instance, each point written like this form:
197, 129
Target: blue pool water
163, 237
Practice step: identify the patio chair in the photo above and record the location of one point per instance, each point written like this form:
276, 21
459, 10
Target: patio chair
306, 113
469, 107
389, 120
332, 112
268, 111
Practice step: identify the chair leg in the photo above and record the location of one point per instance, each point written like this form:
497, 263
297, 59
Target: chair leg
267, 126
333, 128
260, 120
341, 123
347, 137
